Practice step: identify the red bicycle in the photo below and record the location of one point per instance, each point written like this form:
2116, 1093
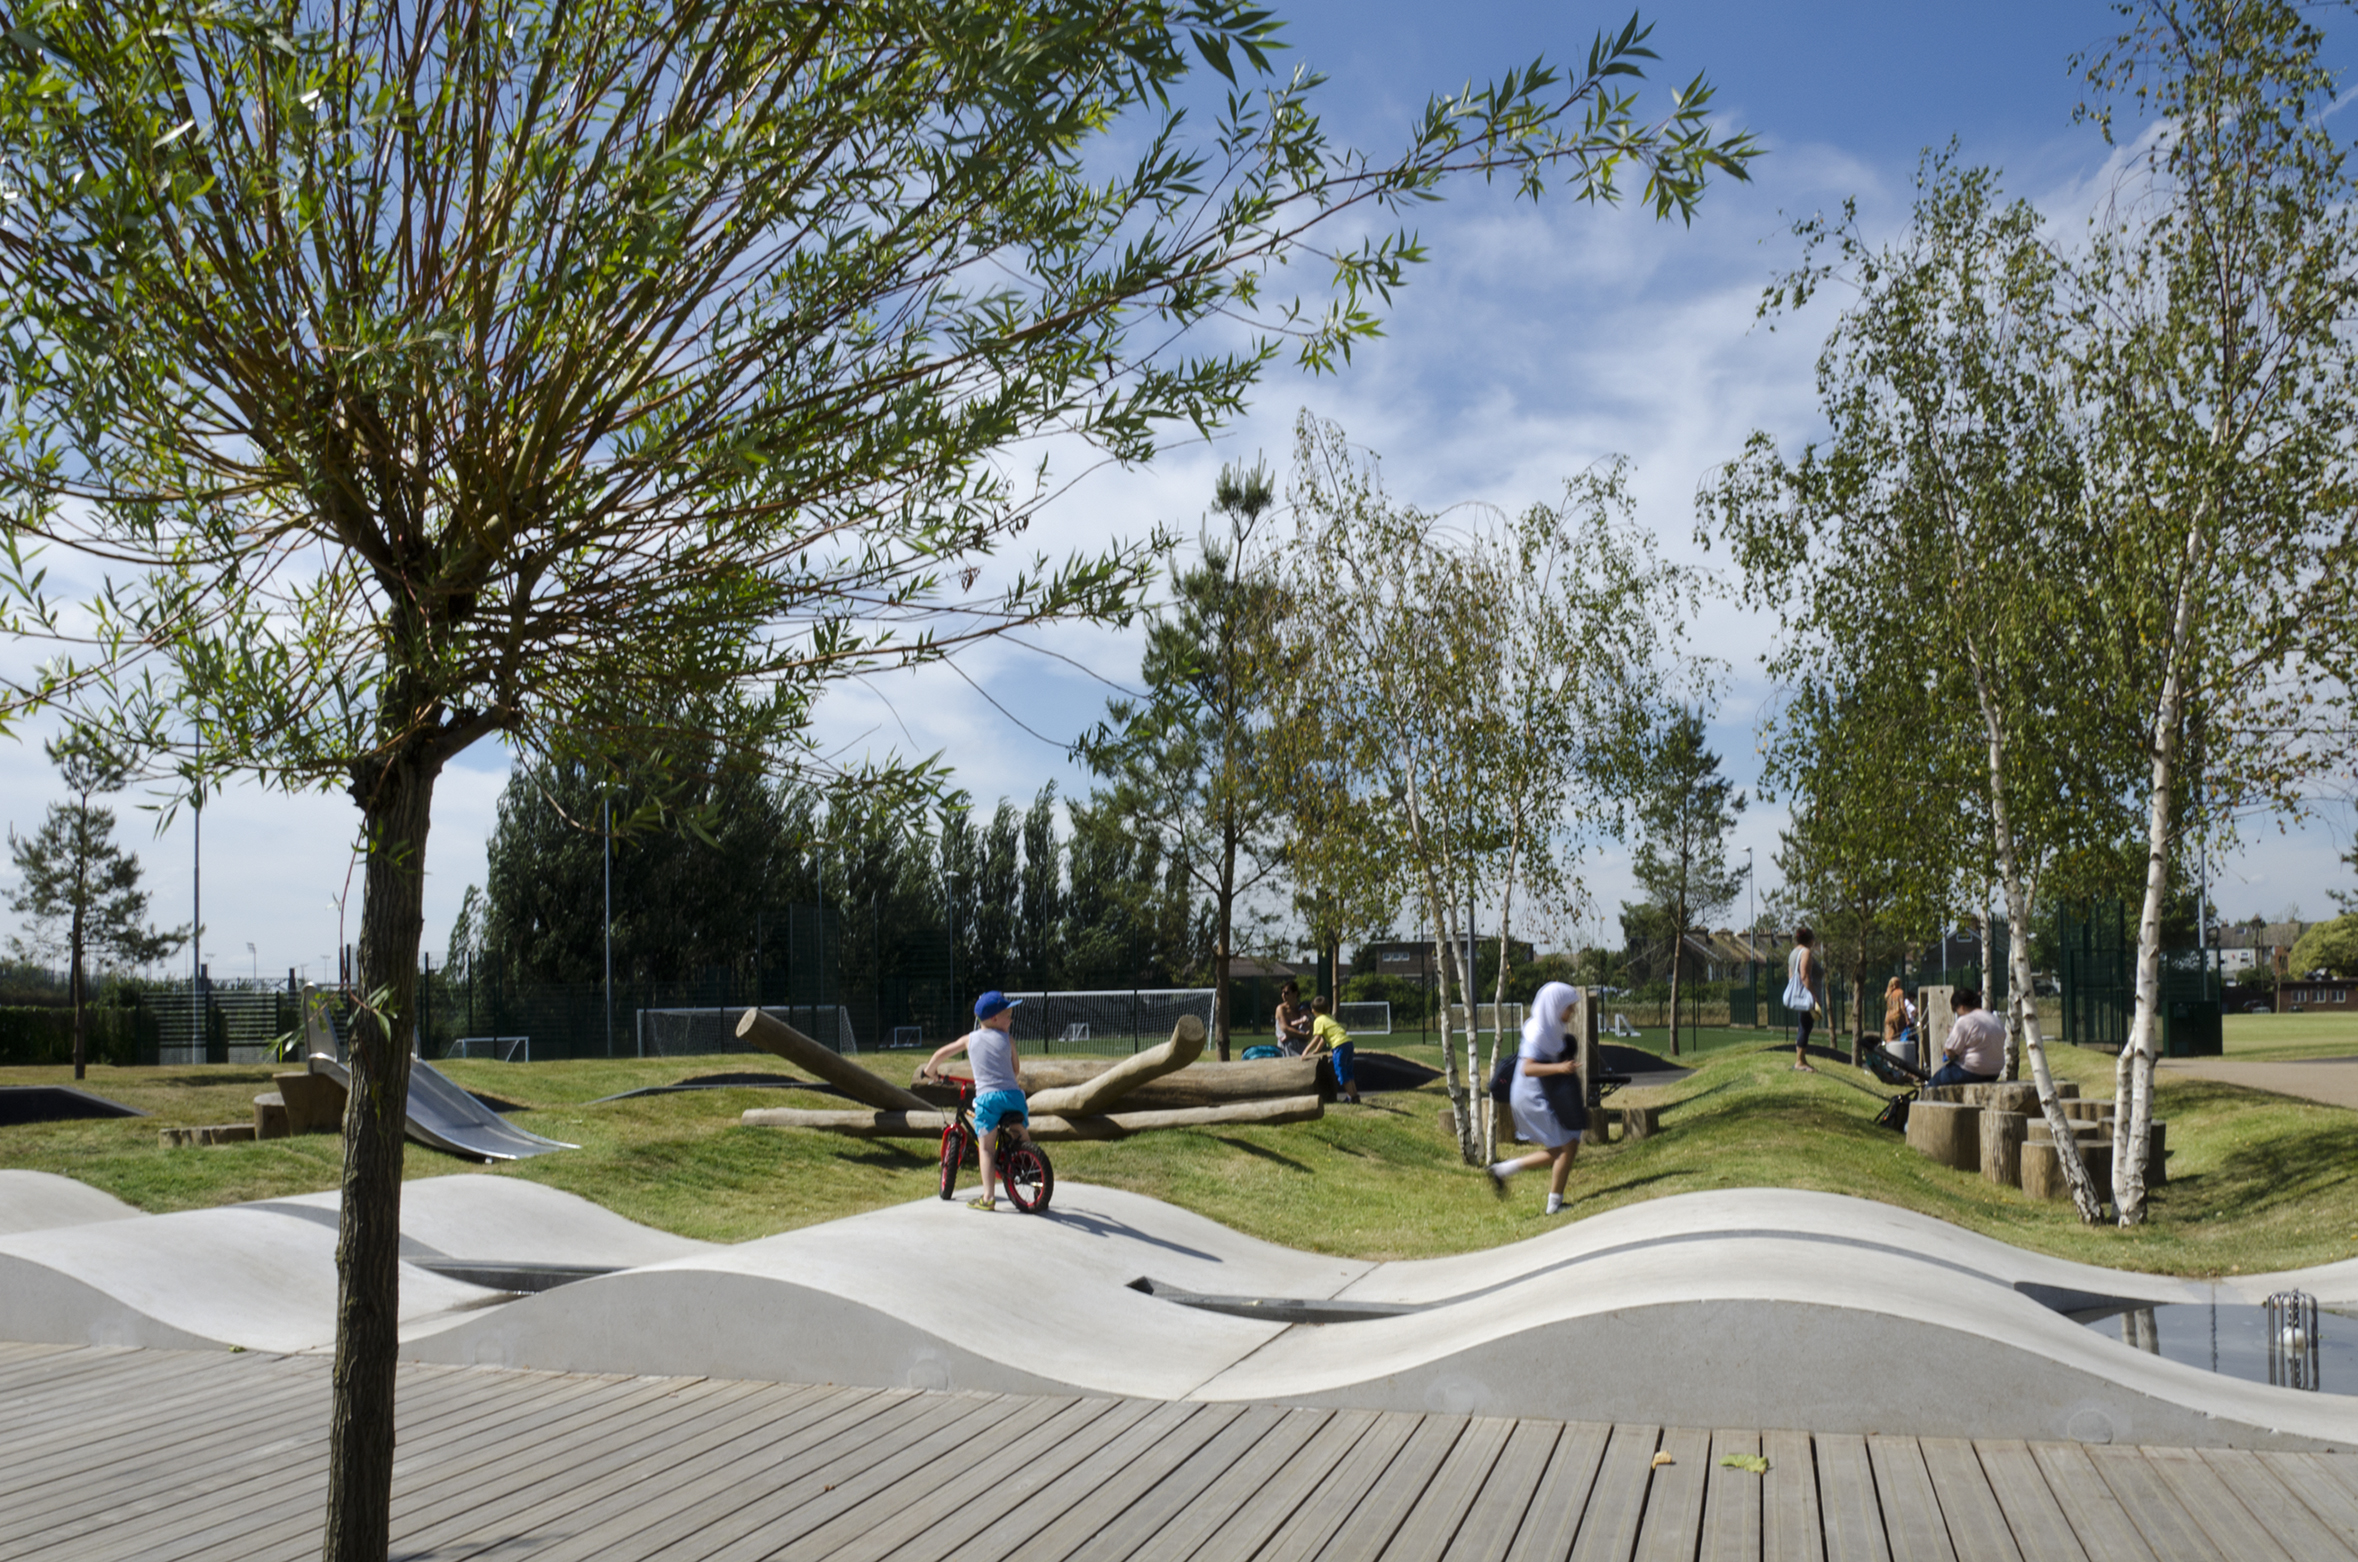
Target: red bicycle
1022, 1164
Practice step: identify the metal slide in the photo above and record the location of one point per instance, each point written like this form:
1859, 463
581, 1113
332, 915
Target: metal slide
445, 1117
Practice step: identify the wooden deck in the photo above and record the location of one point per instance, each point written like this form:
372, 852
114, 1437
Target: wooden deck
165, 1456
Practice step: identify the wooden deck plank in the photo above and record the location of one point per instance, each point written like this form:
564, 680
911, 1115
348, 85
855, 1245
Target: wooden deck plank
1372, 1522
1433, 1520
2284, 1509
271, 1509
1277, 1461
132, 1498
1617, 1502
1236, 1443
938, 1495
2105, 1530
660, 1522
1004, 1492
2338, 1467
934, 1492
1119, 1460
1552, 1521
2145, 1498
1069, 1531
1497, 1510
2335, 1505
1791, 1526
842, 1473
1316, 1518
1672, 1528
1974, 1521
2220, 1513
94, 1380
1731, 1507
2034, 1519
1275, 1501
58, 1439
1913, 1524
1846, 1499
602, 1482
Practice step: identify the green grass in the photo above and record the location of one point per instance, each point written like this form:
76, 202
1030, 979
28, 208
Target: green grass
2259, 1037
2257, 1181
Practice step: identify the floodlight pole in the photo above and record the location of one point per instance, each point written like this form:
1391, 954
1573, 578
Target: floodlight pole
607, 808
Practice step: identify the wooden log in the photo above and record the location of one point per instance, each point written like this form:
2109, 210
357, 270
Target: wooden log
314, 1102
1118, 1125
2042, 1174
2002, 1135
270, 1116
1094, 1096
775, 1035
1949, 1132
1198, 1084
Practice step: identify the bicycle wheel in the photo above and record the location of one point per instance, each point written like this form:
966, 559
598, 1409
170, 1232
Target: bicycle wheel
953, 1151
1029, 1178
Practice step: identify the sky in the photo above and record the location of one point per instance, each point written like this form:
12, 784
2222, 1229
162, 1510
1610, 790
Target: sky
1539, 339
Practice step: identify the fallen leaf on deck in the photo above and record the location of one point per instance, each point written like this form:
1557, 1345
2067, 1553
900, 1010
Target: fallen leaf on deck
1662, 1459
1753, 1462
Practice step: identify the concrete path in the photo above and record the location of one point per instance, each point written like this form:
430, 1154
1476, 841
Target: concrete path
182, 1457
2333, 1081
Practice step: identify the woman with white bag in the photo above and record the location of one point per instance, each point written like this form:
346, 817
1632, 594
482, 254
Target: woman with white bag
1805, 991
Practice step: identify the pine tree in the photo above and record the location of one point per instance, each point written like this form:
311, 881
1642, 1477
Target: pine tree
1682, 860
80, 889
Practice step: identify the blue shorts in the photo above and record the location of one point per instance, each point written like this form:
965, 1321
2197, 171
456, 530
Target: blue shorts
991, 1107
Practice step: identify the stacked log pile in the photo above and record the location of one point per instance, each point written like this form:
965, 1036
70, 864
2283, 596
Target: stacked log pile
1070, 1098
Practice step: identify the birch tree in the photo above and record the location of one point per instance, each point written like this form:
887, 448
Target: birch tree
1949, 518
2219, 292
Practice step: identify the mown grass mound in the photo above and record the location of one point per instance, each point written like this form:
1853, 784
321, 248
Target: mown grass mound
2256, 1181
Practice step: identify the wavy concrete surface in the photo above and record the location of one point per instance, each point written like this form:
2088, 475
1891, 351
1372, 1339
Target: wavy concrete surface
40, 1201
263, 1275
1744, 1308
1757, 1308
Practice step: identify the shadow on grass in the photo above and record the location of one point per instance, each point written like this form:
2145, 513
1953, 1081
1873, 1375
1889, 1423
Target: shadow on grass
2289, 1166
1262, 1152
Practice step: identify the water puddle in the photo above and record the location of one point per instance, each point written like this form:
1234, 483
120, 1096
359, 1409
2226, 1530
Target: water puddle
2227, 1337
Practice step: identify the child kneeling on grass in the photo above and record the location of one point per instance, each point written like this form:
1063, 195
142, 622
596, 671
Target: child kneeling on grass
1546, 1097
998, 1082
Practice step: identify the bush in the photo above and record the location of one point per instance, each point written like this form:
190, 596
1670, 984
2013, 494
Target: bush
44, 1036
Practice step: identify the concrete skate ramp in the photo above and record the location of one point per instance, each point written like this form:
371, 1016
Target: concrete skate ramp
196, 1280
444, 1117
41, 1201
264, 1275
1745, 1308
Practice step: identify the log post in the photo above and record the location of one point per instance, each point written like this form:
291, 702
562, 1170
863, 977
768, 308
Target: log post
1093, 1096
773, 1035
2002, 1135
1948, 1132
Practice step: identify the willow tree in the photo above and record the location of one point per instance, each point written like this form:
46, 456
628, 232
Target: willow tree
420, 372
2221, 286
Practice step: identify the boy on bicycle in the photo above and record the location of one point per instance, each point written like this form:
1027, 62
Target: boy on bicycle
998, 1086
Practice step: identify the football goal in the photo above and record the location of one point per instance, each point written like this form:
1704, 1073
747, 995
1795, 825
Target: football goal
1116, 1017
1365, 1019
1487, 1017
676, 1033
500, 1049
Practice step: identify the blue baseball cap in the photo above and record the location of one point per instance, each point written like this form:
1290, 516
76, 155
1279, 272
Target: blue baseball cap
993, 1002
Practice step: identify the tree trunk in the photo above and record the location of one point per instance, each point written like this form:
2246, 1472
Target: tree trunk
396, 798
1678, 947
81, 1051
1452, 1078
1225, 901
2084, 1200
2135, 1115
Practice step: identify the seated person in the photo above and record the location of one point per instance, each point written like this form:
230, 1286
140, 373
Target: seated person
1976, 1049
1293, 1020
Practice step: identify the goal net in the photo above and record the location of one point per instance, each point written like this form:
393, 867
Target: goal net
1365, 1019
1123, 1018
1487, 1017
500, 1049
680, 1033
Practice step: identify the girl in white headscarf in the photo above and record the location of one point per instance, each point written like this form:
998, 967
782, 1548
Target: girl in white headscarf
1546, 1098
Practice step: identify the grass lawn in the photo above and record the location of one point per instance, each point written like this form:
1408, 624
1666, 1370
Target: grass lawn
2257, 1181
2259, 1037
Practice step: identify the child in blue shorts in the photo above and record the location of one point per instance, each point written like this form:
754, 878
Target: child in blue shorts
998, 1083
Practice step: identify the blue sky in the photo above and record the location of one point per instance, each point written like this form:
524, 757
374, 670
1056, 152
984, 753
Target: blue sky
1538, 340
